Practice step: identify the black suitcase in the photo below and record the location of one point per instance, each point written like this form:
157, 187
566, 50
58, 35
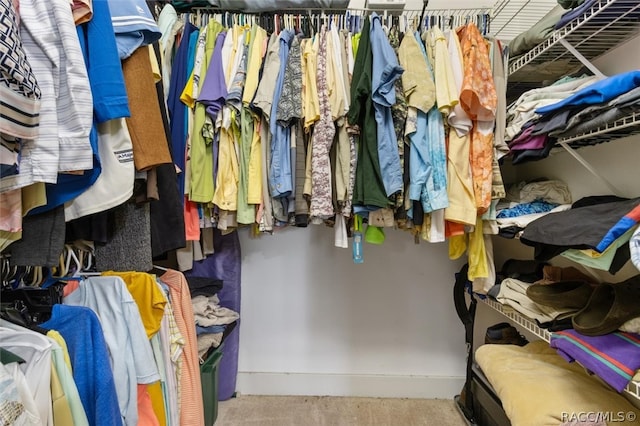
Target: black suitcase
478, 402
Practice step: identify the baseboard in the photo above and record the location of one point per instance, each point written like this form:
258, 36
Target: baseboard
378, 386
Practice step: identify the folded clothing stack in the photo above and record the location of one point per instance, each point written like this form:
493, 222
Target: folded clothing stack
592, 225
211, 321
566, 109
528, 201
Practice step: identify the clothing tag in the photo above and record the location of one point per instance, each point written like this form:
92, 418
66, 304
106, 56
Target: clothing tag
124, 156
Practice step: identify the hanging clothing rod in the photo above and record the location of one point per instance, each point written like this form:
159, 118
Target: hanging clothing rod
429, 12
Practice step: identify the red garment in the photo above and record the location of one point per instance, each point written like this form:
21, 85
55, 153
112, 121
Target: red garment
453, 228
191, 221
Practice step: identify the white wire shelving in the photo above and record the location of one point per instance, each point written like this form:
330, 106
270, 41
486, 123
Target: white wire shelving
516, 317
623, 127
600, 28
603, 26
632, 389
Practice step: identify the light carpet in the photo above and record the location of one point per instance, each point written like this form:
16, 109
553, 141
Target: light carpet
336, 411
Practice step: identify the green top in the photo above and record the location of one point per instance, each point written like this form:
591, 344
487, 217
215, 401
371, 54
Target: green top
369, 187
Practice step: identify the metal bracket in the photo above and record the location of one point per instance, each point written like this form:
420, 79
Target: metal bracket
589, 167
587, 63
565, 145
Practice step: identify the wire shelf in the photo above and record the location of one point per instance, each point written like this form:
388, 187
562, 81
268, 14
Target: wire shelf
516, 317
623, 127
606, 24
632, 389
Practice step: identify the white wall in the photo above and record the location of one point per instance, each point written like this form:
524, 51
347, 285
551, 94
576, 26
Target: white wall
315, 323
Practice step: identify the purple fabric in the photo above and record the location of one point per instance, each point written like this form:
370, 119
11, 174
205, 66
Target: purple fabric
526, 141
527, 155
214, 88
613, 357
225, 265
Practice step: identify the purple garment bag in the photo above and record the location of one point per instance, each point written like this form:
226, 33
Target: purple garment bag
225, 265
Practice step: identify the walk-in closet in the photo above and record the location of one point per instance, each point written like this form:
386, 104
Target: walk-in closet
320, 212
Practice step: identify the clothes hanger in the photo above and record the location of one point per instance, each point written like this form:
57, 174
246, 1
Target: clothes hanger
78, 270
310, 28
158, 270
89, 260
425, 3
36, 277
8, 273
70, 255
32, 304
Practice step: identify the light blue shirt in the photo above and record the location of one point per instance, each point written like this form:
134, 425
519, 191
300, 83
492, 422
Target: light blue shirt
129, 348
428, 157
385, 72
280, 177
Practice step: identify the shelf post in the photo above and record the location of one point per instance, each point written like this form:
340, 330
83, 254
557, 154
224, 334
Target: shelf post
587, 63
589, 167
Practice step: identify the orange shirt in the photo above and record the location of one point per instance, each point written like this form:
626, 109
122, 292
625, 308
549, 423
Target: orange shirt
479, 100
191, 404
478, 96
146, 414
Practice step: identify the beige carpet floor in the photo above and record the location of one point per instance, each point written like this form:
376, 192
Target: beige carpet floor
336, 411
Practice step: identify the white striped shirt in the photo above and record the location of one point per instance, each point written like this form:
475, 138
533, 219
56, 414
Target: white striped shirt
66, 115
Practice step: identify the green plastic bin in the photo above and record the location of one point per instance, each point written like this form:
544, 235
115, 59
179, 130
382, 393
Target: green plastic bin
209, 378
